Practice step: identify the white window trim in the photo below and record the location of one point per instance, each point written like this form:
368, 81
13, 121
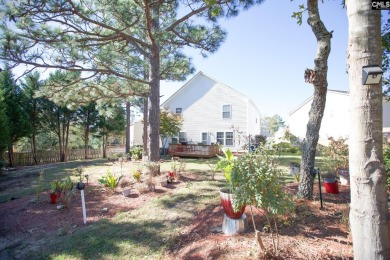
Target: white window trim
207, 138
178, 137
230, 111
224, 138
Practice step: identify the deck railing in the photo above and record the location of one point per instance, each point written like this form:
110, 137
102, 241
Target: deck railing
193, 150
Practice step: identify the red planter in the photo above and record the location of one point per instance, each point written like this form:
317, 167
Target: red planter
53, 198
226, 200
332, 187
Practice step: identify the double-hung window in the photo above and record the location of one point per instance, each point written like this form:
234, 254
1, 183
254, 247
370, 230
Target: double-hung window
205, 138
225, 138
227, 111
182, 137
229, 139
220, 138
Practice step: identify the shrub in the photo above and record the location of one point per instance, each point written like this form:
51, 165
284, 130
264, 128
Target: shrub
136, 152
110, 181
256, 182
136, 175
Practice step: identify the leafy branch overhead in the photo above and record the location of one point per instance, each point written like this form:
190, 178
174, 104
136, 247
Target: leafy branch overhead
298, 15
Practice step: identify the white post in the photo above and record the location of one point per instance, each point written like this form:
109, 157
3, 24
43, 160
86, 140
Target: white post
83, 205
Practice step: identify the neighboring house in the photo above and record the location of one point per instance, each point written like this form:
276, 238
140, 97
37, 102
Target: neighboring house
336, 119
210, 109
136, 130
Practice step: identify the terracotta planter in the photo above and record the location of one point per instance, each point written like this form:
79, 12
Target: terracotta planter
226, 200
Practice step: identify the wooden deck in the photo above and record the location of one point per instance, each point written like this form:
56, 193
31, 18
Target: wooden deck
193, 150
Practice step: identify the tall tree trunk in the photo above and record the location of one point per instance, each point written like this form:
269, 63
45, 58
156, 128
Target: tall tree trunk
86, 141
11, 155
145, 129
369, 214
86, 133
34, 146
104, 146
128, 105
154, 96
319, 79
66, 140
60, 137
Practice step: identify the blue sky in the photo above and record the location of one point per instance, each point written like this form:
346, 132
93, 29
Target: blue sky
266, 52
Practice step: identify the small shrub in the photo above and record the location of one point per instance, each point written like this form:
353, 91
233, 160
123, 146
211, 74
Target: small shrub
256, 182
137, 174
136, 152
110, 180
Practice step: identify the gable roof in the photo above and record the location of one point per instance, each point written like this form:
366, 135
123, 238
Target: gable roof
199, 74
339, 92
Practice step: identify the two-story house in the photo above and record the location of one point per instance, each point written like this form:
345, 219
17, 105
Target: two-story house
213, 113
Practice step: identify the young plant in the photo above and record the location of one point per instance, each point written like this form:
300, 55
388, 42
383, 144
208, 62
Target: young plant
137, 174
226, 164
67, 185
110, 180
55, 187
256, 182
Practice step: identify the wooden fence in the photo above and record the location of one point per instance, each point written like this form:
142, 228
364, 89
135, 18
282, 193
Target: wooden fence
45, 157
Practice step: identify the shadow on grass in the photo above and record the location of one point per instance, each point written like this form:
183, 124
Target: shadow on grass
26, 178
107, 239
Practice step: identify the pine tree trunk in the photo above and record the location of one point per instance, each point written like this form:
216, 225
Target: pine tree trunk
34, 146
60, 137
145, 129
127, 127
104, 146
305, 188
369, 214
66, 140
11, 155
154, 96
86, 135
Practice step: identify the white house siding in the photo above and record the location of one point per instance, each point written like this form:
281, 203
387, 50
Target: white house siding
202, 99
336, 119
136, 131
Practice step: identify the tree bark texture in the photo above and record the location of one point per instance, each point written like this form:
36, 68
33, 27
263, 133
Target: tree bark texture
369, 214
86, 134
128, 127
154, 96
145, 129
320, 83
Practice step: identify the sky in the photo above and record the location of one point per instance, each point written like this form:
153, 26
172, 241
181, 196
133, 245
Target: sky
266, 53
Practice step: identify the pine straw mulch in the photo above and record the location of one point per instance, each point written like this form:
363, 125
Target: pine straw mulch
309, 233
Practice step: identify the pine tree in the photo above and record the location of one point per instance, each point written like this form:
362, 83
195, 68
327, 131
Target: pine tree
15, 110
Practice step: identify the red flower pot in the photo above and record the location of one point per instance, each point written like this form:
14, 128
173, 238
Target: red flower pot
53, 198
226, 200
332, 187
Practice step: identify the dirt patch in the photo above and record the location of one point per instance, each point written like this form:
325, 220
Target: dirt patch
309, 233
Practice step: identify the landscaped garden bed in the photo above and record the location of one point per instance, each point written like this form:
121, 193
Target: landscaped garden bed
181, 220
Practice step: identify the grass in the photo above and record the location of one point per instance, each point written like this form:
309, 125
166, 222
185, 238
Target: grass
25, 182
143, 233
